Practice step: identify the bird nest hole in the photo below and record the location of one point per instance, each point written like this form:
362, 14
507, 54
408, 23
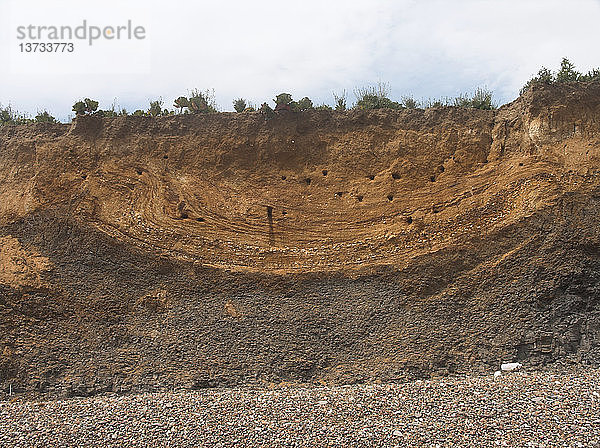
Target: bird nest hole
307, 180
396, 176
283, 177
325, 172
339, 194
390, 197
360, 198
371, 177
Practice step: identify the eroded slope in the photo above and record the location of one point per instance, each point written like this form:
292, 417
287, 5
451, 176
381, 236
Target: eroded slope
192, 251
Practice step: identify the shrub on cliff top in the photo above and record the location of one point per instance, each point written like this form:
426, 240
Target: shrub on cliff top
239, 105
410, 103
202, 102
155, 108
8, 116
266, 111
324, 107
283, 99
44, 117
340, 101
375, 97
481, 99
305, 104
567, 73
180, 103
85, 107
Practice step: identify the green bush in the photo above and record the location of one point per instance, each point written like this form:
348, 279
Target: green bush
10, 116
305, 104
181, 103
239, 105
592, 75
6, 115
156, 109
438, 102
283, 99
340, 101
85, 107
202, 102
267, 111
544, 76
410, 103
375, 97
44, 117
567, 73
324, 107
481, 99
111, 113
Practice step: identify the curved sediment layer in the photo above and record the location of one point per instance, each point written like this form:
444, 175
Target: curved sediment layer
141, 253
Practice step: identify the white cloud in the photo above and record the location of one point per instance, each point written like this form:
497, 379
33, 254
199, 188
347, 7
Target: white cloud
426, 48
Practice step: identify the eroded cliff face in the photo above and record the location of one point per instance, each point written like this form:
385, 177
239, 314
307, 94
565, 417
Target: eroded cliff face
185, 251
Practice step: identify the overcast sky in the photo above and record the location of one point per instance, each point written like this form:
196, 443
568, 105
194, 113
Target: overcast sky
424, 48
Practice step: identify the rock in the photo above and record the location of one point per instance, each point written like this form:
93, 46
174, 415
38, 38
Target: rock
510, 366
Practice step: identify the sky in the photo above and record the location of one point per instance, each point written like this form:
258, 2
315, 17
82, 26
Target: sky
255, 50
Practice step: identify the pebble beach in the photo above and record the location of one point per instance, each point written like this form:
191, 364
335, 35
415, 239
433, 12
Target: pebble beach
515, 409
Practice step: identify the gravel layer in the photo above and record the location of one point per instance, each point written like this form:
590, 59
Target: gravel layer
519, 409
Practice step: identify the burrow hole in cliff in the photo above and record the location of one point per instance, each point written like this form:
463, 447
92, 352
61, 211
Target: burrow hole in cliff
307, 180
184, 215
165, 157
283, 177
360, 198
339, 194
432, 178
283, 212
84, 176
441, 168
325, 172
371, 177
520, 163
390, 197
140, 172
396, 176
409, 220
200, 219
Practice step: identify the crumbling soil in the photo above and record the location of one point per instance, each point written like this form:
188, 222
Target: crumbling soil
141, 254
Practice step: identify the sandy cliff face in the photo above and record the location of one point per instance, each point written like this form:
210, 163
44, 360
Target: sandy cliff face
141, 253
